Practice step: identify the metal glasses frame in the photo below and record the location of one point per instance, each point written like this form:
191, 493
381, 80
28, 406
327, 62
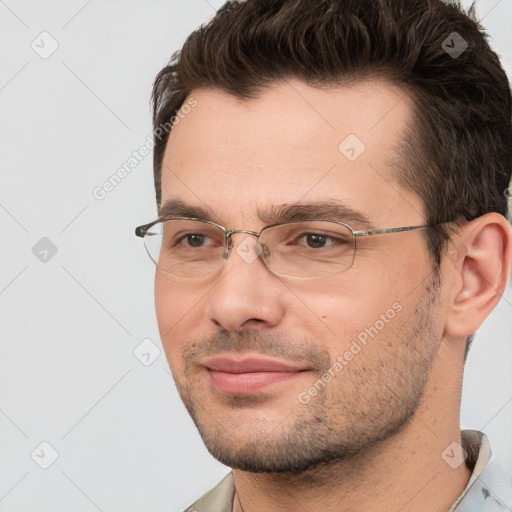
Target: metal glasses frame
141, 231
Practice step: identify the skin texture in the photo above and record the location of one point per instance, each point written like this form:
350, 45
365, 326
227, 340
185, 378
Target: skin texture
372, 437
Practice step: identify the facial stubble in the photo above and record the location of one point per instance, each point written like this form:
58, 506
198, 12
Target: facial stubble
370, 400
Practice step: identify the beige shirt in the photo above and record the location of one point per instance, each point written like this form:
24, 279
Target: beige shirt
488, 489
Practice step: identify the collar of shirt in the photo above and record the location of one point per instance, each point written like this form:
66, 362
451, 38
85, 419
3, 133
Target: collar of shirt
489, 489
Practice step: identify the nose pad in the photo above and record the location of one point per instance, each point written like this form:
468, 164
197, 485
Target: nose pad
229, 246
263, 250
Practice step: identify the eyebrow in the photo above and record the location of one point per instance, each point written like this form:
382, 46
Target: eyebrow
330, 209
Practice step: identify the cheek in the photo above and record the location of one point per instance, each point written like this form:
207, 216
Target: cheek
178, 315
340, 310
172, 302
395, 273
163, 304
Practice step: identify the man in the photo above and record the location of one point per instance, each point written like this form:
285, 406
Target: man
362, 152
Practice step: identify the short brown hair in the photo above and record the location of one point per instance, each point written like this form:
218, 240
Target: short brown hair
456, 156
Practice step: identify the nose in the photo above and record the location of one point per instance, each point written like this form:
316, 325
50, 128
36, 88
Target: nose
246, 295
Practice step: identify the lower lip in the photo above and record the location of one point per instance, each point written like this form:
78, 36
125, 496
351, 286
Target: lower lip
248, 383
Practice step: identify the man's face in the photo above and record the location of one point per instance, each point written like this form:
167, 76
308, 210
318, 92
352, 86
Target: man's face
380, 321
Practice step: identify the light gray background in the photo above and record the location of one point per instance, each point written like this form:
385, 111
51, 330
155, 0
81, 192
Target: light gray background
68, 375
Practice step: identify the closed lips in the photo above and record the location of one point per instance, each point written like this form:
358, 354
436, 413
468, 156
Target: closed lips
250, 365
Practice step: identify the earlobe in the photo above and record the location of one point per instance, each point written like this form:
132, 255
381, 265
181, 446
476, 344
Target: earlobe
482, 272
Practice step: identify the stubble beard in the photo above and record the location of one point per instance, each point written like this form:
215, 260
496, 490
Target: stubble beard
372, 399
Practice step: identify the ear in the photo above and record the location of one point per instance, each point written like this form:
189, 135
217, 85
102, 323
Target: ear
479, 262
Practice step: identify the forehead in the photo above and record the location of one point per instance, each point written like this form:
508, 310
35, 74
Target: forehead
294, 142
